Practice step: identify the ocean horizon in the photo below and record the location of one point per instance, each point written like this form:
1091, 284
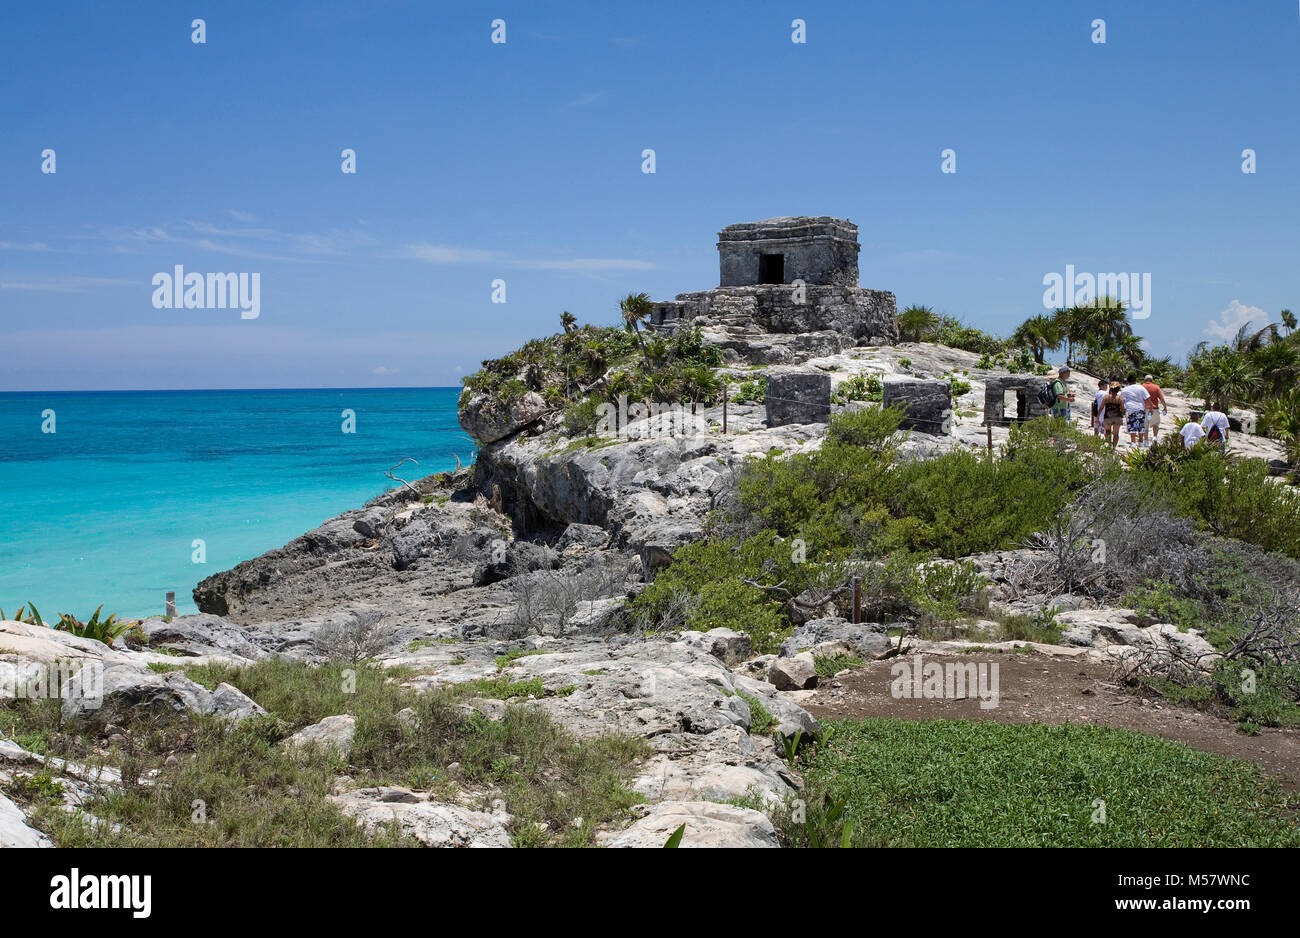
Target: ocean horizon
117, 497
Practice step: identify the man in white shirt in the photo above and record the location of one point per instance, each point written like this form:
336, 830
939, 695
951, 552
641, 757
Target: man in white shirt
1135, 409
1191, 434
1215, 425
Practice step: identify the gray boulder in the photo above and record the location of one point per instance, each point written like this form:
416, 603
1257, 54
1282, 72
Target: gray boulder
234, 704
432, 823
203, 634
707, 825
798, 672
487, 421
334, 732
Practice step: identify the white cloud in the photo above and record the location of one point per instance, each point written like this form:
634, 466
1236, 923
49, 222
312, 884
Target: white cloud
586, 99
67, 285
1234, 317
384, 370
446, 254
450, 254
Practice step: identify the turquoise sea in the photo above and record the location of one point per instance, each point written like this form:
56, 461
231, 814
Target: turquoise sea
107, 508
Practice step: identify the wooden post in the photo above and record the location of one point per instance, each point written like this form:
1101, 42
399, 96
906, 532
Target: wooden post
857, 600
989, 428
724, 408
171, 603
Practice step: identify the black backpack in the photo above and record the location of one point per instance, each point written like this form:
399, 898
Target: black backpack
1047, 396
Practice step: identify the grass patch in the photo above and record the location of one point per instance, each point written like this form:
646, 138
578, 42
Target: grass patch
504, 661
761, 720
831, 665
253, 793
956, 783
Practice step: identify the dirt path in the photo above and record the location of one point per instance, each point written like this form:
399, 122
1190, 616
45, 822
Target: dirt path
1041, 689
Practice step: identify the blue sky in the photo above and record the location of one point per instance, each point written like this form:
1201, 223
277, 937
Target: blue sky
522, 161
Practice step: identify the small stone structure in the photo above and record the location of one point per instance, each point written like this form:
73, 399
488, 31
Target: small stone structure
799, 397
820, 250
1027, 404
759, 263
927, 403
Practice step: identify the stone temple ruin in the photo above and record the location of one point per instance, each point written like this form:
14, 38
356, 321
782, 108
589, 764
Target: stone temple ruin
788, 291
1007, 393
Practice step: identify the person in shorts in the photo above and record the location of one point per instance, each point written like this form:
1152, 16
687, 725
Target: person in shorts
1156, 405
1103, 388
1064, 396
1112, 415
1135, 410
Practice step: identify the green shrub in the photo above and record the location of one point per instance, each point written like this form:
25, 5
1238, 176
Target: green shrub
979, 783
859, 387
753, 390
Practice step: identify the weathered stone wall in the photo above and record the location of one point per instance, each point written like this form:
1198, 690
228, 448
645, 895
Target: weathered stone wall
818, 250
866, 317
800, 397
927, 403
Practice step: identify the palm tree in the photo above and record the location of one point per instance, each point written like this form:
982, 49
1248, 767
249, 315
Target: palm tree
1038, 334
1073, 326
567, 320
1111, 364
1247, 341
636, 309
915, 321
1108, 319
1222, 377
1279, 364
1288, 321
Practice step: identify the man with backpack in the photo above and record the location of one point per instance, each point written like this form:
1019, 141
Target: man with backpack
1060, 394
1215, 425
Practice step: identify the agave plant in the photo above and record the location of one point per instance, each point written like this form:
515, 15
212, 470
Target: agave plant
31, 617
915, 321
103, 630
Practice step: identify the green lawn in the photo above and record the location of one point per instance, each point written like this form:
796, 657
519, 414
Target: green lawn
979, 783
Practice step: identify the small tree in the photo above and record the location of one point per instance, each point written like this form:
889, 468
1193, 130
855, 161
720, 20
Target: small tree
636, 309
365, 636
915, 321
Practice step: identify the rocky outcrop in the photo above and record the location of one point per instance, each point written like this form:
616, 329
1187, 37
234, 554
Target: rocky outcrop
432, 823
14, 831
95, 681
706, 825
487, 420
